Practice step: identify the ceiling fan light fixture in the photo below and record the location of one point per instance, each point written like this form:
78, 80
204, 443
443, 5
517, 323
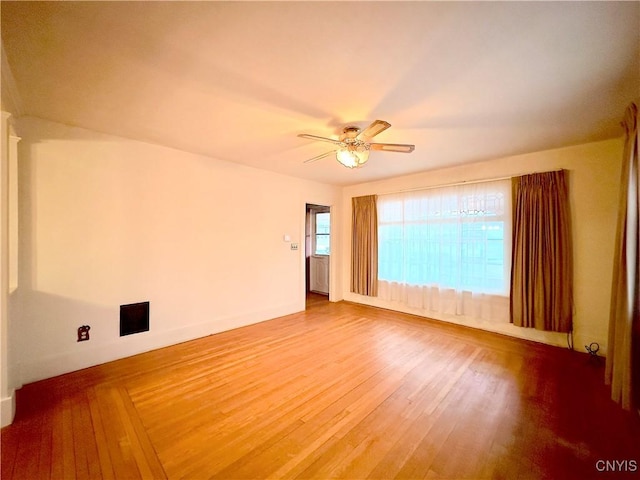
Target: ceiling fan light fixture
352, 157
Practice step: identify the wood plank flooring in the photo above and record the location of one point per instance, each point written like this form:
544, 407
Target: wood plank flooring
338, 391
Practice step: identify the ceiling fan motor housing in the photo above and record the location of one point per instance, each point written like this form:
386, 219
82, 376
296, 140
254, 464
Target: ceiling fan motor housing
350, 132
350, 140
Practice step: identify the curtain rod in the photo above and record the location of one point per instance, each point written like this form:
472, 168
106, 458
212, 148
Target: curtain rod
464, 182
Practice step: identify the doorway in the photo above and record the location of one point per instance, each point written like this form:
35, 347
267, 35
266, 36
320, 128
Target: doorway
317, 253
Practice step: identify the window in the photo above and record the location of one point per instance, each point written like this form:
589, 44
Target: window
322, 233
451, 238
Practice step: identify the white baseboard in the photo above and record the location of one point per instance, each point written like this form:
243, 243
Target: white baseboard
123, 347
549, 338
7, 410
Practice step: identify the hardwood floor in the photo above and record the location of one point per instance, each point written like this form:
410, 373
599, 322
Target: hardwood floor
315, 299
338, 391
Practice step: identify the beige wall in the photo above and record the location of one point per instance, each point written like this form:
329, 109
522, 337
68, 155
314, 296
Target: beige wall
106, 221
594, 172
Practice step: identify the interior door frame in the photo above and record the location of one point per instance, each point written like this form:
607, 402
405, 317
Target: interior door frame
308, 243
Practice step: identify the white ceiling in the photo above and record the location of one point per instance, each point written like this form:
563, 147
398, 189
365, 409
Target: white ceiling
239, 80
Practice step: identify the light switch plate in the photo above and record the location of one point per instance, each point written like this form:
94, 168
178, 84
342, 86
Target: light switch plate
294, 246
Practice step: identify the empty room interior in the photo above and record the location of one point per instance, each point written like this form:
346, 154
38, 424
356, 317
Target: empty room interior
320, 240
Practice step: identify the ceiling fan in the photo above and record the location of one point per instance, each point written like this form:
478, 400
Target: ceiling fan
353, 146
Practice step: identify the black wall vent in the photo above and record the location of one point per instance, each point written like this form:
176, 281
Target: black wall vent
134, 318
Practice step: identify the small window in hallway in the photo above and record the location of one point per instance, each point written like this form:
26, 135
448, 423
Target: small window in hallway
322, 234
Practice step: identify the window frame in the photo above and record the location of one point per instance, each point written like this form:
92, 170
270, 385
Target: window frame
315, 234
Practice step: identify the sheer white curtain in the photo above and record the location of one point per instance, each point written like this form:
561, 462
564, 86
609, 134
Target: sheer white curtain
447, 250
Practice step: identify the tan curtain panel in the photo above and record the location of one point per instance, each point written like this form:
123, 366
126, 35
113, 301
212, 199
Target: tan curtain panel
541, 267
623, 356
364, 245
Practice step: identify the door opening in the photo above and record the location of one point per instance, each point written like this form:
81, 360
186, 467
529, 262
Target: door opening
317, 253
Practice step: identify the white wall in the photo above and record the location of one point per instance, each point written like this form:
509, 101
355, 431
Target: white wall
106, 221
594, 175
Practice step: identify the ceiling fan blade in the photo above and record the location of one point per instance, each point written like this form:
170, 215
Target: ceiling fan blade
374, 129
322, 139
320, 156
392, 147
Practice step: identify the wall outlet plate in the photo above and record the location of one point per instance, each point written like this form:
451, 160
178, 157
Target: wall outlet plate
83, 333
